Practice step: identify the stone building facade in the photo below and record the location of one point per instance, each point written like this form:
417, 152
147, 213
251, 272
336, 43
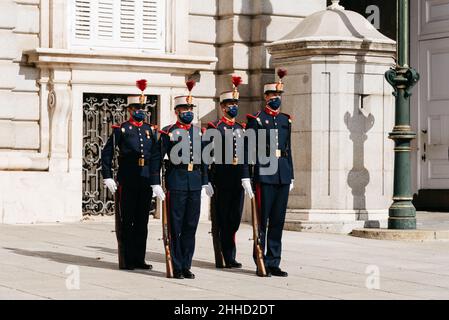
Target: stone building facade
58, 53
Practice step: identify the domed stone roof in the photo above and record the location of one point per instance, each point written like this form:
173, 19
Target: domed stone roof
335, 23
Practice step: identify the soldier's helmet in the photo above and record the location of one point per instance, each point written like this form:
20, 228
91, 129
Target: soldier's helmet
234, 95
188, 100
277, 87
138, 101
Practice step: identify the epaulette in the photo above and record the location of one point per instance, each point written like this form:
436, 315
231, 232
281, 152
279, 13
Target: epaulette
116, 126
290, 118
253, 116
213, 125
166, 130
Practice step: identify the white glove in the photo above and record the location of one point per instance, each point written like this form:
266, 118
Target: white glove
292, 185
110, 184
208, 189
158, 192
246, 184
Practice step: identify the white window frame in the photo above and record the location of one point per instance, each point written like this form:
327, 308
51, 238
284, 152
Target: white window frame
95, 42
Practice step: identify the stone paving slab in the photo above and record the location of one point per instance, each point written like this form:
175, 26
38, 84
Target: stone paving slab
37, 262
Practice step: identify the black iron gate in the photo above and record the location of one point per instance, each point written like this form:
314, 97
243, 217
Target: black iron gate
100, 112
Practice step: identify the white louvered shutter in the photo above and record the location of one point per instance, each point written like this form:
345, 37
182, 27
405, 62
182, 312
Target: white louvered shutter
105, 19
152, 23
133, 24
82, 19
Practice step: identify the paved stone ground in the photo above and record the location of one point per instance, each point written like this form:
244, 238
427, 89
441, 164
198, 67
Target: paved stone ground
34, 261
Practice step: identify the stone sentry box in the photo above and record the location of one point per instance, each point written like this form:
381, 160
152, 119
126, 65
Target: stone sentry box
343, 110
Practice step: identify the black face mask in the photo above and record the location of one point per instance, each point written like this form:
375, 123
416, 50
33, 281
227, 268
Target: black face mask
275, 103
138, 115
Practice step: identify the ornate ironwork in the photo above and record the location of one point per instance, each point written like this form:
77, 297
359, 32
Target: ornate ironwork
100, 112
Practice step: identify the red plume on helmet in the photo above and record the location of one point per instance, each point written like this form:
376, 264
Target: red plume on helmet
142, 85
282, 73
236, 81
190, 84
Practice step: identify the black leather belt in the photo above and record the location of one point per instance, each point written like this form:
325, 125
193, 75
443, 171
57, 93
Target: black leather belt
188, 167
282, 153
141, 162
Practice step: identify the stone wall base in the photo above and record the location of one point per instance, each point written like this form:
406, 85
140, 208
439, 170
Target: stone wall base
40, 197
334, 221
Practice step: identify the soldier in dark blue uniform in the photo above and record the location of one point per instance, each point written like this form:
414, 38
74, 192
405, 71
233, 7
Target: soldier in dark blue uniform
272, 190
226, 180
185, 177
138, 163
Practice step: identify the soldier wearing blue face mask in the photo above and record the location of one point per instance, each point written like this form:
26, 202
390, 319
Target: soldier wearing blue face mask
184, 181
226, 180
272, 190
138, 158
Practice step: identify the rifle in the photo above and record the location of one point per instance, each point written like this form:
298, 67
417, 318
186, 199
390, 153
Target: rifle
256, 236
118, 212
219, 259
165, 230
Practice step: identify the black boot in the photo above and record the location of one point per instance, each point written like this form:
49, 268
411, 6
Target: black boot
143, 265
234, 264
277, 272
188, 274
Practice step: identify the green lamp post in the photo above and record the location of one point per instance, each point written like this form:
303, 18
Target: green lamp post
402, 213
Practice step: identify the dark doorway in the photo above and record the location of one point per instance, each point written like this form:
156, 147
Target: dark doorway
100, 112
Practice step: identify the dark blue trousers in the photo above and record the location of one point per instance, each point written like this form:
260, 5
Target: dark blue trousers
135, 202
272, 202
184, 213
228, 206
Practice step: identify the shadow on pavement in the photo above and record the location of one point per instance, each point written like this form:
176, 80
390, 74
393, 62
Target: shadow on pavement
65, 258
160, 258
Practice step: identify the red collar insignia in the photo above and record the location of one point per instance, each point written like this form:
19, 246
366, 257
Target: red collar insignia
135, 123
183, 126
272, 112
228, 121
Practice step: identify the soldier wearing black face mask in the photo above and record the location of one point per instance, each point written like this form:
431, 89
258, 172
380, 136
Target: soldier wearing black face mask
185, 177
272, 190
226, 180
137, 172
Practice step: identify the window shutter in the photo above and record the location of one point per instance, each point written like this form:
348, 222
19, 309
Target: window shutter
106, 19
132, 24
150, 21
83, 19
127, 20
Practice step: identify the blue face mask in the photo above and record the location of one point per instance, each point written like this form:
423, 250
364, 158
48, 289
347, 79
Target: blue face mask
275, 103
138, 115
233, 111
186, 117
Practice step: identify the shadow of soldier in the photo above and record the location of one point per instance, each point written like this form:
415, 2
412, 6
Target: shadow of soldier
160, 258
70, 259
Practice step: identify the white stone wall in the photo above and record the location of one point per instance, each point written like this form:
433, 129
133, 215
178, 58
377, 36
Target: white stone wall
19, 98
236, 31
40, 137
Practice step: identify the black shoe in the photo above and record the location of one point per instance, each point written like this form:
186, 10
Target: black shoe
188, 274
277, 272
178, 275
144, 266
127, 267
234, 264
